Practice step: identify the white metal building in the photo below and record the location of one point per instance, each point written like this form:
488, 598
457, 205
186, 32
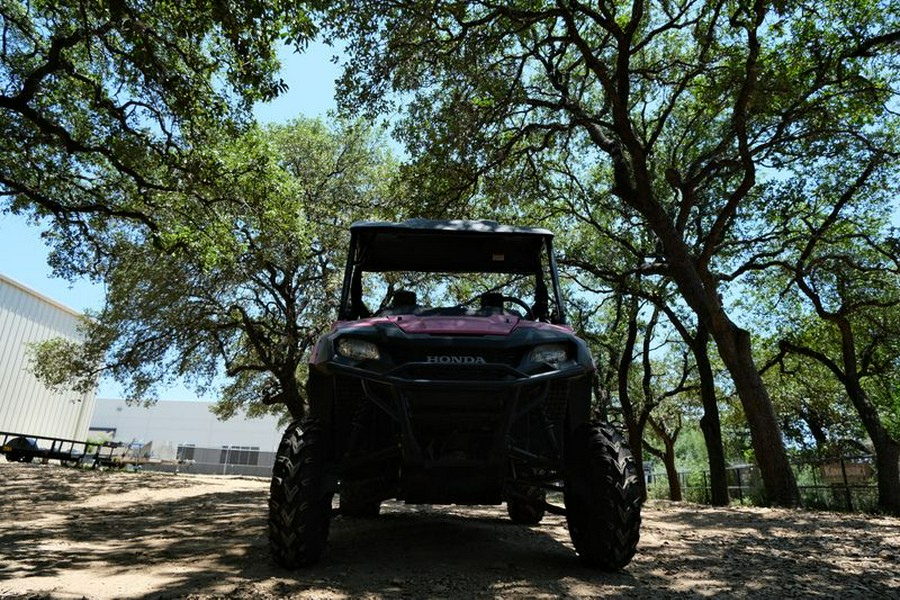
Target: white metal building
26, 405
183, 423
188, 432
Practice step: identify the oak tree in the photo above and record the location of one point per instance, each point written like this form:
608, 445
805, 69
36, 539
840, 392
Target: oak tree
245, 282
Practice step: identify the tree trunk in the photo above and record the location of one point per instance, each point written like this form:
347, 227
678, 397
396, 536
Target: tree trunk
699, 289
733, 345
734, 348
710, 424
816, 429
293, 397
672, 474
668, 458
887, 449
888, 463
635, 426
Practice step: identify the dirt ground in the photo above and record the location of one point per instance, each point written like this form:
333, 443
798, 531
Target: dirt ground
66, 533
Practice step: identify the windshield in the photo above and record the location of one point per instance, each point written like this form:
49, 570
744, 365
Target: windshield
411, 292
413, 269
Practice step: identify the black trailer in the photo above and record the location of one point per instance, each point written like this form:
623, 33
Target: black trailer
19, 447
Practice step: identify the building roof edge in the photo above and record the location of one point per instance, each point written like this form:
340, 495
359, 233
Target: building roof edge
24, 288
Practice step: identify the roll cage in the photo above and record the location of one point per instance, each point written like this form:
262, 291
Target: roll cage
452, 247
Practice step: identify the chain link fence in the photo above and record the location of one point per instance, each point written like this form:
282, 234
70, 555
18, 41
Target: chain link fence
845, 483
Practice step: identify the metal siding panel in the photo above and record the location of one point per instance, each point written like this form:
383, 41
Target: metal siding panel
12, 381
31, 403
25, 404
6, 325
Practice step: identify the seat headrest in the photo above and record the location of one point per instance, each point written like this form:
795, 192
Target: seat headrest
404, 298
492, 300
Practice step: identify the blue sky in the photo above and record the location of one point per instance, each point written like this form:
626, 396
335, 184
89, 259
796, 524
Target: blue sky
23, 256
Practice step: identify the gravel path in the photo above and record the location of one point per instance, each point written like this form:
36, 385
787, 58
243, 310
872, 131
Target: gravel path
67, 533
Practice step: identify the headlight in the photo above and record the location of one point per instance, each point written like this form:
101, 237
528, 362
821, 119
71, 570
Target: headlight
549, 353
356, 349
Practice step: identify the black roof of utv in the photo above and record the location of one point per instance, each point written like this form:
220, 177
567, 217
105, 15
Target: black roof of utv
448, 246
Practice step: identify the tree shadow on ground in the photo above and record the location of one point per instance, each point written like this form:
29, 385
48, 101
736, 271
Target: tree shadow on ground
213, 544
757, 552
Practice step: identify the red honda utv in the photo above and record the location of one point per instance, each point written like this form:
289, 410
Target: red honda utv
452, 378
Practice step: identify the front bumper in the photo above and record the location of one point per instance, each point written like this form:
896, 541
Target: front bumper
456, 429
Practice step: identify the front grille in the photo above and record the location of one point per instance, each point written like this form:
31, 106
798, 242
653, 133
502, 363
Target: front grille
348, 392
459, 373
441, 404
402, 355
557, 400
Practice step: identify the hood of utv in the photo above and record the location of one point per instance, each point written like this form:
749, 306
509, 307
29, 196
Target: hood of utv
438, 325
504, 339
